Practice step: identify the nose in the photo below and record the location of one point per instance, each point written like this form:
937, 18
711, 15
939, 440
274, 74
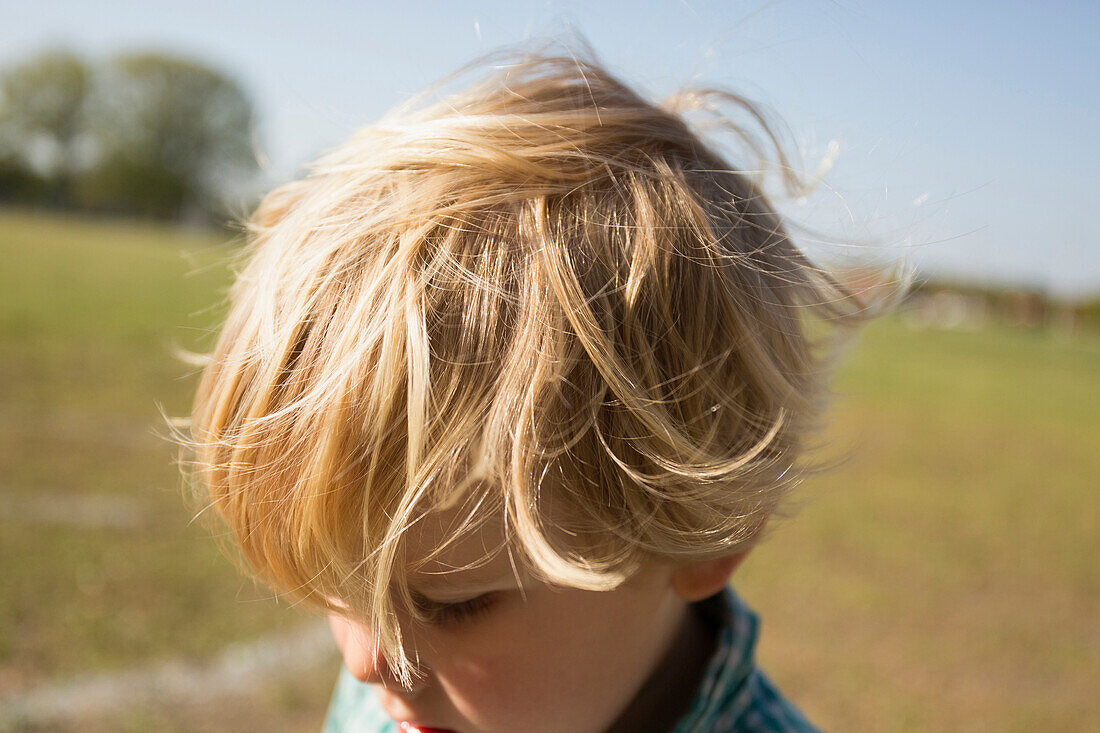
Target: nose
363, 657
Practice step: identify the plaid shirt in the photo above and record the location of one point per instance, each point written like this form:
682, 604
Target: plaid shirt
734, 696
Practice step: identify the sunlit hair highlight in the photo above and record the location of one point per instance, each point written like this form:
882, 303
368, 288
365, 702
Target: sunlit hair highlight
543, 302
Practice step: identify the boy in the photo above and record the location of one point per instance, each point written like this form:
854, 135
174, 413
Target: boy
509, 387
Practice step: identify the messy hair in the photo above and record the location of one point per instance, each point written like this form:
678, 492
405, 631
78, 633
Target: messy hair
543, 300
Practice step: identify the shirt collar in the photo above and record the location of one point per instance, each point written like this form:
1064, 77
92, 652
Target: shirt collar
723, 690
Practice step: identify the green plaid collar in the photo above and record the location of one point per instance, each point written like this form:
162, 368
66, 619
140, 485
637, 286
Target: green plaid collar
735, 696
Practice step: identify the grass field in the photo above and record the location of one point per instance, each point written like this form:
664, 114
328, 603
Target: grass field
945, 578
105, 570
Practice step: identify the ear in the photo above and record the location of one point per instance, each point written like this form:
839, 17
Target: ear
701, 579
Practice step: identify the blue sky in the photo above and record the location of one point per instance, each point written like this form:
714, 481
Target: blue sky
966, 130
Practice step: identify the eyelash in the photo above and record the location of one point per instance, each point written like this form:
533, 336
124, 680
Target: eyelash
453, 614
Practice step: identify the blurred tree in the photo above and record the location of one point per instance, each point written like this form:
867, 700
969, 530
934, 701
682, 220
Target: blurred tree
171, 133
43, 103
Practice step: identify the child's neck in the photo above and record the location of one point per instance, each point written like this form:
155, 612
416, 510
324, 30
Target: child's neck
666, 695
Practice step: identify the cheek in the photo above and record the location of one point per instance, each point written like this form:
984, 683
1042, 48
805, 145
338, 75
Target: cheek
515, 672
485, 676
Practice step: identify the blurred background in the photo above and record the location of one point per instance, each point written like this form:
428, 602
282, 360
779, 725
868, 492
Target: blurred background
945, 578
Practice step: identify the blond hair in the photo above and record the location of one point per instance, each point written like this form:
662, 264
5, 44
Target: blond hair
544, 300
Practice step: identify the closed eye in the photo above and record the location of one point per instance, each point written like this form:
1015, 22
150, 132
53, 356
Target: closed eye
454, 614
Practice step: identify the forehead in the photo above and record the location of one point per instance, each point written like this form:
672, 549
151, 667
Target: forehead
460, 550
